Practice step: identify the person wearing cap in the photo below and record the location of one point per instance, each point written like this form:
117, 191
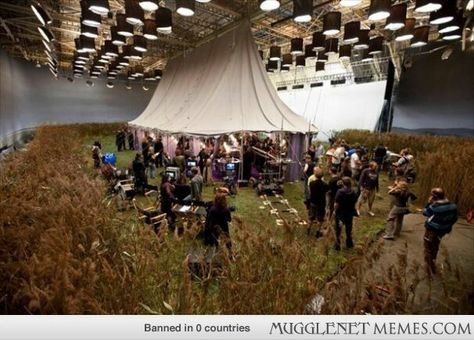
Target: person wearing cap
441, 215
400, 195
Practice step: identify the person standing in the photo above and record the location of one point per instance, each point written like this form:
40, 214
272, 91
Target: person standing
319, 150
158, 150
380, 153
167, 198
369, 186
317, 211
131, 140
400, 196
338, 156
334, 185
308, 169
356, 164
344, 207
441, 216
197, 183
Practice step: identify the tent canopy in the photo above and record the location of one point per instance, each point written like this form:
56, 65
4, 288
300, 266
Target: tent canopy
218, 88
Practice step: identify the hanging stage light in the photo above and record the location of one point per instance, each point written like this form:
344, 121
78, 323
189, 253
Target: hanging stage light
269, 5
130, 75
366, 57
275, 53
376, 45
363, 40
318, 41
332, 46
308, 52
87, 44
46, 45
272, 65
284, 69
83, 56
87, 17
149, 76
297, 46
421, 36
138, 71
379, 9
100, 7
123, 27
349, 3
300, 61
453, 25
186, 8
445, 14
110, 49
89, 31
398, 15
117, 39
453, 35
351, 32
110, 84
322, 56
127, 51
302, 10
111, 75
287, 60
164, 20
46, 34
139, 43
320, 66
158, 74
407, 32
149, 5
134, 13
345, 52
332, 23
41, 14
123, 61
136, 55
149, 29
426, 6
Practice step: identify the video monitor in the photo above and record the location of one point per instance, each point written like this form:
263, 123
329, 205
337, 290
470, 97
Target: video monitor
230, 167
171, 174
191, 164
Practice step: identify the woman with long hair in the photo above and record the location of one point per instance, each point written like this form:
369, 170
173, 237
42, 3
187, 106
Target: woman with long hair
217, 222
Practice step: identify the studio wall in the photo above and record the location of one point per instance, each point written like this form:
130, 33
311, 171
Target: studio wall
31, 96
436, 96
335, 108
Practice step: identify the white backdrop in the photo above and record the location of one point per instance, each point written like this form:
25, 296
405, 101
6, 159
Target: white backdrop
335, 108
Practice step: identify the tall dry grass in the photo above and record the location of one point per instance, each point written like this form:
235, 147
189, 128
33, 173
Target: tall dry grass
445, 162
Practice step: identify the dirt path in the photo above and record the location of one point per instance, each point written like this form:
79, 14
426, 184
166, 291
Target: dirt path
392, 278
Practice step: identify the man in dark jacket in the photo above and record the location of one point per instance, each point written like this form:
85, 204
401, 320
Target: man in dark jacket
317, 211
344, 206
441, 216
369, 186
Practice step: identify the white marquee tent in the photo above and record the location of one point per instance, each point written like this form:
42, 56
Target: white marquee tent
218, 88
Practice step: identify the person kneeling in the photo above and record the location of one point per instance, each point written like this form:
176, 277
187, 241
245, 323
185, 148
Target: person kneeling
217, 223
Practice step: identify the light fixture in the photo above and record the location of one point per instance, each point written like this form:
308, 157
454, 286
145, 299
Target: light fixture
186, 8
332, 23
100, 7
139, 43
117, 39
89, 18
149, 76
123, 61
320, 65
145, 88
351, 32
284, 69
379, 9
158, 74
453, 25
127, 51
426, 6
203, 1
164, 20
398, 15
134, 13
302, 10
83, 56
287, 60
349, 3
366, 57
46, 45
123, 27
275, 53
149, 5
130, 75
421, 36
363, 40
46, 34
110, 49
322, 56
110, 84
149, 29
89, 31
376, 45
308, 52
90, 83
445, 14
318, 41
272, 65
87, 44
454, 35
300, 61
345, 52
41, 14
407, 32
269, 5
136, 55
111, 76
332, 46
138, 71
297, 46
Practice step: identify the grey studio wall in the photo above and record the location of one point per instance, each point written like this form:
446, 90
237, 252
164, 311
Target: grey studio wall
437, 96
31, 96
